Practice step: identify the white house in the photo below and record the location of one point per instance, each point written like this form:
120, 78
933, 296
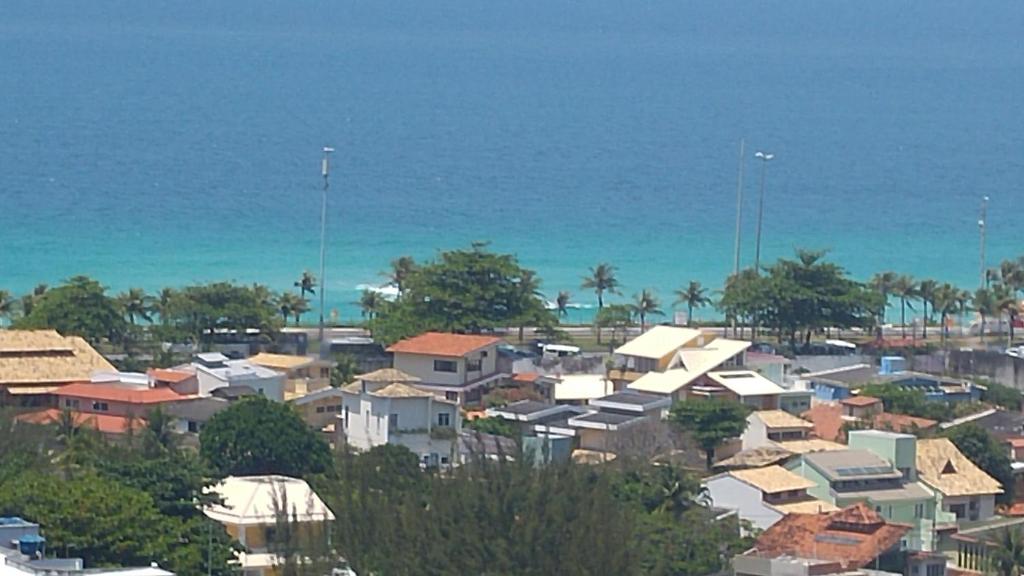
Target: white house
457, 367
388, 407
215, 370
763, 496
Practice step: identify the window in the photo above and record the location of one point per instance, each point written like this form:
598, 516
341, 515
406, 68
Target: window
346, 416
392, 421
918, 510
100, 406
70, 403
261, 392
444, 460
453, 396
935, 570
325, 372
193, 427
474, 365
450, 366
444, 419
320, 409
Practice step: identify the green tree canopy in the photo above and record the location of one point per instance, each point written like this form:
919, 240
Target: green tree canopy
259, 436
103, 521
710, 421
472, 291
909, 401
78, 307
197, 312
494, 425
987, 453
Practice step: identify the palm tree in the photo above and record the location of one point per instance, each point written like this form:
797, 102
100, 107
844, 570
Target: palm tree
905, 289
370, 302
135, 303
945, 302
299, 307
307, 283
694, 296
1011, 273
1006, 302
1007, 557
562, 303
163, 303
602, 279
883, 284
287, 303
645, 304
401, 268
926, 292
985, 303
6, 305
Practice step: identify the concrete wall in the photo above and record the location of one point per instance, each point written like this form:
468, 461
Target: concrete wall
423, 368
985, 506
996, 366
366, 421
756, 434
821, 489
728, 492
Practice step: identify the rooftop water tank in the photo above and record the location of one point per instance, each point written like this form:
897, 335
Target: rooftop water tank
31, 545
893, 364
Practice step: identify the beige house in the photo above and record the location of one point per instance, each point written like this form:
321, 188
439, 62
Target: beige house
963, 489
456, 367
35, 363
321, 409
303, 374
766, 427
252, 506
666, 359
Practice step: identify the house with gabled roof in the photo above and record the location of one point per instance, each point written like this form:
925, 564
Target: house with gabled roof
763, 496
964, 489
389, 407
766, 427
665, 359
303, 374
854, 537
456, 367
36, 363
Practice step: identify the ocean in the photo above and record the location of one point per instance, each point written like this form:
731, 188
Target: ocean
163, 143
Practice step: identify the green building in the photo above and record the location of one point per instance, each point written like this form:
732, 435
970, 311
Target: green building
879, 468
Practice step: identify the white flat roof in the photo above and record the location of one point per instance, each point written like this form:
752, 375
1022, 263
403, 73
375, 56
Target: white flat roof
745, 383
664, 382
257, 500
712, 354
582, 387
658, 342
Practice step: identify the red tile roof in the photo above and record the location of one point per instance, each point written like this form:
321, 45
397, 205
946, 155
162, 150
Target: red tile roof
105, 423
1015, 442
860, 401
853, 536
442, 344
172, 376
111, 393
525, 377
827, 420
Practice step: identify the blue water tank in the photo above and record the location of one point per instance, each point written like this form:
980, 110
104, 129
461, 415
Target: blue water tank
31, 545
893, 364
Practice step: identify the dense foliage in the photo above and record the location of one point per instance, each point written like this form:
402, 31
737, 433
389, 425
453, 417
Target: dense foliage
710, 421
259, 436
987, 453
510, 518
78, 307
799, 297
111, 505
472, 290
899, 400
495, 425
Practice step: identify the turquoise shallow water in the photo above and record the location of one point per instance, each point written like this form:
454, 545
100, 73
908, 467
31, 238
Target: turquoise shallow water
157, 144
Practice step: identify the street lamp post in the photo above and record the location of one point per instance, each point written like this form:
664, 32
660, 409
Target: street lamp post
764, 157
739, 212
325, 171
982, 225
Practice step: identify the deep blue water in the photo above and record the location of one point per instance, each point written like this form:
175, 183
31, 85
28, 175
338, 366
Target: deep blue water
159, 143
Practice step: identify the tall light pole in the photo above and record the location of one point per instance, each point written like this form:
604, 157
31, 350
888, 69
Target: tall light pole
739, 212
764, 157
325, 170
982, 225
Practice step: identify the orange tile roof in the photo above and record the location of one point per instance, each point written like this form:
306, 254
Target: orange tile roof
853, 536
119, 394
901, 422
827, 420
526, 377
105, 423
860, 401
1015, 442
443, 344
172, 376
